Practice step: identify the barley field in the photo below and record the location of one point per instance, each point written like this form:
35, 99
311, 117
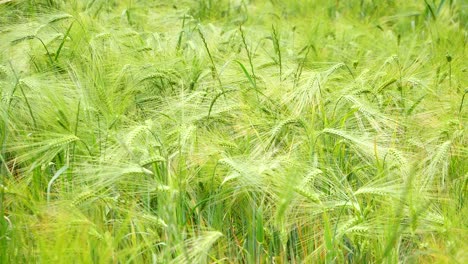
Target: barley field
233, 131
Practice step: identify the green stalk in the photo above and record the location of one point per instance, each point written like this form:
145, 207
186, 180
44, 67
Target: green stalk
214, 69
463, 99
179, 40
24, 95
449, 60
249, 56
57, 54
276, 45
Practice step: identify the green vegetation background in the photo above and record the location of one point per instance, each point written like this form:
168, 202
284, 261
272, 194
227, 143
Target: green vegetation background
233, 131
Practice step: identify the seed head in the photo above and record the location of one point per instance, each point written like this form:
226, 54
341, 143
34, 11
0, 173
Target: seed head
449, 58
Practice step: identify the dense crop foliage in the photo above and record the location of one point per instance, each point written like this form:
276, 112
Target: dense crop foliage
233, 131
